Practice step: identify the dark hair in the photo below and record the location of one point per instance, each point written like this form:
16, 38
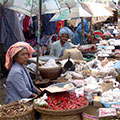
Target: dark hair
14, 57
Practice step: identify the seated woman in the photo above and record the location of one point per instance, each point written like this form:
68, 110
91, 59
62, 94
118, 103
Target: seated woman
59, 46
19, 83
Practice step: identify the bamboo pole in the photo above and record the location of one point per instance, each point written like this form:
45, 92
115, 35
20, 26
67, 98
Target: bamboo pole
91, 32
38, 38
82, 23
91, 26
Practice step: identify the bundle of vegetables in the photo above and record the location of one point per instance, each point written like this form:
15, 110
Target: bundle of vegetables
65, 101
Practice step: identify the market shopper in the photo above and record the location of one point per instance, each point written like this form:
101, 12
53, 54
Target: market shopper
77, 39
19, 83
59, 46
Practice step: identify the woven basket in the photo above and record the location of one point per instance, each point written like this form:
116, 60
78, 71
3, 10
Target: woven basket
90, 113
47, 114
62, 117
50, 73
60, 112
28, 115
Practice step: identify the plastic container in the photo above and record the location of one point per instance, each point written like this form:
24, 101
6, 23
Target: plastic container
107, 105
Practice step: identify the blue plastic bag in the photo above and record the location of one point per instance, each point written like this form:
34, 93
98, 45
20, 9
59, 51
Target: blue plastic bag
117, 66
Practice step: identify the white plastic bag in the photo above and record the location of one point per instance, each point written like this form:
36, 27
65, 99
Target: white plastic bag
105, 112
41, 101
50, 64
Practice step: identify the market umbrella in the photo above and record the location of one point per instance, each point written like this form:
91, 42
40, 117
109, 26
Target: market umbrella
97, 9
86, 9
109, 3
91, 10
67, 14
75, 22
29, 7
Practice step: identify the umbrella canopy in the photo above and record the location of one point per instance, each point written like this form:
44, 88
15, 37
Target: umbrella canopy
75, 22
86, 9
32, 6
109, 3
97, 9
67, 14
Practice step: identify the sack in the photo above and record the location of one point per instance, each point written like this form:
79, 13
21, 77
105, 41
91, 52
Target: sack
74, 53
107, 86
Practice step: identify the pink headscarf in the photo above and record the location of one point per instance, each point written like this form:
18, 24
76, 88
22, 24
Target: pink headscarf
15, 48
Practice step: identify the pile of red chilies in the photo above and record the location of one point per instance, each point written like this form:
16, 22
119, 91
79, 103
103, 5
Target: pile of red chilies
65, 101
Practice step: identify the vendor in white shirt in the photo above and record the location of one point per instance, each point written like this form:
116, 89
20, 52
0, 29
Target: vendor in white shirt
59, 46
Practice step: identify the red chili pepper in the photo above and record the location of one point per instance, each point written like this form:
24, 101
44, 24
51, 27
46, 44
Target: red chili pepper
65, 101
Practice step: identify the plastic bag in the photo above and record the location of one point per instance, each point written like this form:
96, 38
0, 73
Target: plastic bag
41, 101
117, 66
79, 92
88, 96
50, 64
105, 112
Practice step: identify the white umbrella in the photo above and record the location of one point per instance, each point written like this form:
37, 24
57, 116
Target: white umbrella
97, 9
86, 9
67, 14
75, 22
29, 7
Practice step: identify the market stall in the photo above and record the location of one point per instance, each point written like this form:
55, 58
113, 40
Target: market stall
85, 83
84, 80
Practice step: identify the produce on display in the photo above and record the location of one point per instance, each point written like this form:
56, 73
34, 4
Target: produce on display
14, 110
111, 96
89, 47
65, 101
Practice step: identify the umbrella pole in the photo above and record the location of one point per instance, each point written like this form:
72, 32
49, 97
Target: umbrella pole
91, 32
82, 23
91, 26
38, 38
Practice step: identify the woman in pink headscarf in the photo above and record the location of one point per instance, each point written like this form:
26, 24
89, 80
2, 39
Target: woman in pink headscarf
19, 83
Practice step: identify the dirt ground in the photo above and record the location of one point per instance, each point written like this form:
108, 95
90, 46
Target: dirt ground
2, 91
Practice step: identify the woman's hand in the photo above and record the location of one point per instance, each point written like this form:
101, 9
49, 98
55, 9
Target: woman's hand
33, 95
38, 90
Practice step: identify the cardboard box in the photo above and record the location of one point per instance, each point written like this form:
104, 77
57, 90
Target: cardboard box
96, 101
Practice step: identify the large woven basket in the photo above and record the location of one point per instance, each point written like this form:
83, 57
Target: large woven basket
50, 73
61, 117
28, 115
91, 113
73, 114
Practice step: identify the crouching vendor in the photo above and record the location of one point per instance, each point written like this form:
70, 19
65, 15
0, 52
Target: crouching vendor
59, 46
19, 83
